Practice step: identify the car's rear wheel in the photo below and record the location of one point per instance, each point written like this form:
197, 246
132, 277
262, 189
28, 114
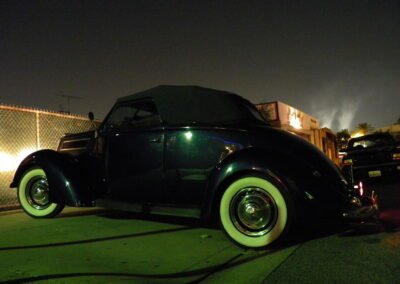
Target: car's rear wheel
33, 195
256, 211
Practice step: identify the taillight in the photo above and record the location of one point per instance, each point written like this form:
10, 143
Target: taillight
360, 188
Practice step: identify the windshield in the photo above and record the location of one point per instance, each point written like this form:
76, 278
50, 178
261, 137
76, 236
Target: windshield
370, 142
132, 115
254, 111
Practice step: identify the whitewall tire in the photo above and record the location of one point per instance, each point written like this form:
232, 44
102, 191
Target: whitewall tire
33, 195
255, 211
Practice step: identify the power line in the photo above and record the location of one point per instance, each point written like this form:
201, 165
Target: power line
68, 98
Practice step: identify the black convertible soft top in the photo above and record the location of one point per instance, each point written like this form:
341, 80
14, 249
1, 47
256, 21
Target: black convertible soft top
197, 105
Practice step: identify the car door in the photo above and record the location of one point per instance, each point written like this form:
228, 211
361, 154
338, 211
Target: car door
191, 154
133, 150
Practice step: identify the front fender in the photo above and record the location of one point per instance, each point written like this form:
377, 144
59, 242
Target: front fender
67, 184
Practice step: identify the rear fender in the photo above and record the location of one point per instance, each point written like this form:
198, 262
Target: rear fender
67, 184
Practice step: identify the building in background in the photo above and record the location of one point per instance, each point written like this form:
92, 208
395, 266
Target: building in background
25, 130
288, 118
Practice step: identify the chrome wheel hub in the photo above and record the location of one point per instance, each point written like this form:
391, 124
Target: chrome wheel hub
253, 211
38, 193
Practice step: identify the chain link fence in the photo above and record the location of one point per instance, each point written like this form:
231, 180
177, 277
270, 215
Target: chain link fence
23, 131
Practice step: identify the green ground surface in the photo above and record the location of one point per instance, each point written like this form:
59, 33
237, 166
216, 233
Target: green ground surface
95, 246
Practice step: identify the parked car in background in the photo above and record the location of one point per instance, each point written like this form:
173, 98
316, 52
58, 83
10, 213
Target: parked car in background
195, 151
371, 156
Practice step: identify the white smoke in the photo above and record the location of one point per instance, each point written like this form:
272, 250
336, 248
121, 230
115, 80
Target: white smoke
347, 113
335, 107
327, 117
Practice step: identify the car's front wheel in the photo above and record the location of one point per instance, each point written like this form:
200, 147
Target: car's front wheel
33, 195
256, 210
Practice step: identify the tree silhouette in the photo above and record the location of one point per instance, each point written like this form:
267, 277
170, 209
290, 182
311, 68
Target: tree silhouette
364, 128
342, 137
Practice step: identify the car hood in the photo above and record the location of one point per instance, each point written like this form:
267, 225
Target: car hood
75, 144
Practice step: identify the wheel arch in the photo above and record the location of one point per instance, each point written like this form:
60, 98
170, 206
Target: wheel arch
249, 162
67, 185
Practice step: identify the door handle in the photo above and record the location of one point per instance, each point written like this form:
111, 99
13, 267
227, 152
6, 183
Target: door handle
156, 140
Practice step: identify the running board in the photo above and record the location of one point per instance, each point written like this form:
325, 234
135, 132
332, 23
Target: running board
156, 209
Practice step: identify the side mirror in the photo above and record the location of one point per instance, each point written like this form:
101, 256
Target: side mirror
91, 118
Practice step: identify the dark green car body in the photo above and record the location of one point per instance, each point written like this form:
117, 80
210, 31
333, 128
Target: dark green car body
180, 147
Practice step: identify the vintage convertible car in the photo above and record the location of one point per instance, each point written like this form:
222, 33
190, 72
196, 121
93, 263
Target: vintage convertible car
194, 151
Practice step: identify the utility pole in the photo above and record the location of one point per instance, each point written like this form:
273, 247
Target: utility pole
68, 98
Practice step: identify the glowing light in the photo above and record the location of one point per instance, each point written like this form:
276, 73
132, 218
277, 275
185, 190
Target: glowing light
295, 122
357, 134
295, 118
23, 154
189, 135
361, 188
9, 163
229, 149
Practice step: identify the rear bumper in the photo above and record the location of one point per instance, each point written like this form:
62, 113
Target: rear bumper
371, 171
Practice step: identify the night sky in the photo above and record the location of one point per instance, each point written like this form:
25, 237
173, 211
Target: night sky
336, 60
